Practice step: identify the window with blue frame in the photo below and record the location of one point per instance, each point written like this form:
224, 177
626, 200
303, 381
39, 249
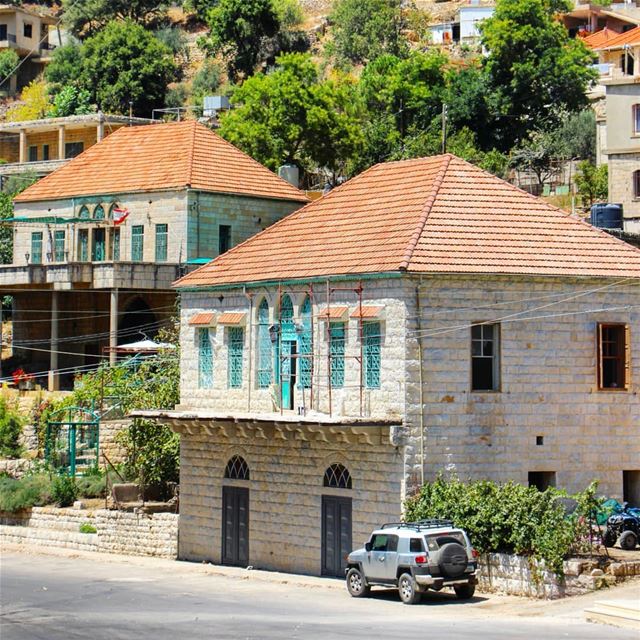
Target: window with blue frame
337, 338
235, 348
371, 339
58, 246
162, 233
116, 244
137, 243
205, 360
83, 245
36, 247
265, 363
98, 213
304, 345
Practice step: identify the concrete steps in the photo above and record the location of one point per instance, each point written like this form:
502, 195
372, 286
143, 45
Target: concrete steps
620, 613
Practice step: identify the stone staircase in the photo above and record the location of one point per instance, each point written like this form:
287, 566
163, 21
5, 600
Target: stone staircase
619, 613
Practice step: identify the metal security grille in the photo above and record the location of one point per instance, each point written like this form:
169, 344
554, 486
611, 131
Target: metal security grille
98, 213
161, 242
337, 333
137, 243
116, 244
304, 345
264, 347
236, 345
83, 245
36, 247
205, 360
337, 476
371, 348
58, 246
237, 469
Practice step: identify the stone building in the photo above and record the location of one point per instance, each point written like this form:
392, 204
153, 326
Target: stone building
98, 242
424, 317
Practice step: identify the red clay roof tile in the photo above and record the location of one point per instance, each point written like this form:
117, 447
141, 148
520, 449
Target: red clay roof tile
631, 37
203, 319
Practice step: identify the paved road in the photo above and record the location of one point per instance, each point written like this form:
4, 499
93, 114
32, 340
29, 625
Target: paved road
80, 597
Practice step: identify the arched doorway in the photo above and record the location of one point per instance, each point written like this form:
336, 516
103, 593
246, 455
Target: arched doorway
235, 512
336, 520
137, 323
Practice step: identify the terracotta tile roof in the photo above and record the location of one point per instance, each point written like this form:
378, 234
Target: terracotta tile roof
333, 313
599, 38
232, 317
428, 215
203, 319
368, 311
631, 37
158, 157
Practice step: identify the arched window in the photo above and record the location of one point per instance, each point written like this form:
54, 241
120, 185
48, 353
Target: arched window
98, 213
337, 476
264, 346
237, 469
636, 184
304, 344
84, 212
287, 327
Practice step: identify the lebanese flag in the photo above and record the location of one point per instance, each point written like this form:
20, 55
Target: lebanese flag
120, 215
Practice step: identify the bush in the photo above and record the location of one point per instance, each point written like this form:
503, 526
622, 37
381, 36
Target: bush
508, 518
92, 486
64, 490
10, 431
30, 491
86, 527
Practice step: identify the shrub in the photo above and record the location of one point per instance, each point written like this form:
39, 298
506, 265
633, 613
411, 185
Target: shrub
10, 431
64, 490
86, 527
93, 485
30, 491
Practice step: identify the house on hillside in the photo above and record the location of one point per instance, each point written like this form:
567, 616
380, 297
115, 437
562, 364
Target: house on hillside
424, 317
464, 28
98, 242
586, 18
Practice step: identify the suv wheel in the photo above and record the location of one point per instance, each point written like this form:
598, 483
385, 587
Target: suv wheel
407, 589
465, 591
628, 541
356, 584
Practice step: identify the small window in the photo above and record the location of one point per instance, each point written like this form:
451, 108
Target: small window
338, 477
45, 151
305, 360
613, 356
3, 32
137, 243
224, 238
205, 359
631, 488
83, 245
27, 30
371, 337
162, 233
33, 154
542, 480
384, 542
337, 334
485, 360
636, 118
73, 149
265, 360
36, 247
98, 213
237, 469
636, 184
415, 545
58, 246
116, 244
84, 212
236, 347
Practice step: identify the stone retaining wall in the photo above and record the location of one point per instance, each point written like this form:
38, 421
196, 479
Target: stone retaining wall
117, 531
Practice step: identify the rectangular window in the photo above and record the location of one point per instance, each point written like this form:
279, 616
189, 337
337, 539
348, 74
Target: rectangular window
224, 238
236, 346
636, 118
205, 360
542, 480
371, 338
83, 245
337, 332
45, 151
73, 149
28, 30
33, 153
3, 32
631, 487
636, 184
58, 246
137, 243
116, 244
36, 247
162, 232
485, 358
613, 356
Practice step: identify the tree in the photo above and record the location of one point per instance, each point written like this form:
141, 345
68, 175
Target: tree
85, 18
63, 70
125, 64
535, 71
364, 29
539, 154
577, 135
71, 101
9, 60
34, 103
206, 81
12, 187
292, 116
592, 183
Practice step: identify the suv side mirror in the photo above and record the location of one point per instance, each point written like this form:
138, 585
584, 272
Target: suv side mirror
367, 546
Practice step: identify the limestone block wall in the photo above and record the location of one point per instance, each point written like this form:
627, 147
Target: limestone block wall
286, 486
548, 373
621, 187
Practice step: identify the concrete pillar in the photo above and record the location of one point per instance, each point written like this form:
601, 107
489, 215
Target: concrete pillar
100, 127
61, 142
23, 145
54, 379
113, 327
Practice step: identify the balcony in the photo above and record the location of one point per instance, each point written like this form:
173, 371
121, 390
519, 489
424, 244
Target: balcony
38, 168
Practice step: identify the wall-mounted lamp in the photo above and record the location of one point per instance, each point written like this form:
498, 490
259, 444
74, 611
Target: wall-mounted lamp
274, 330
26, 257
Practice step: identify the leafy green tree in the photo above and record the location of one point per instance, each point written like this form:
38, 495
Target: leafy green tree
71, 101
9, 60
63, 70
125, 64
576, 135
34, 103
364, 29
6, 231
291, 115
535, 71
206, 81
592, 183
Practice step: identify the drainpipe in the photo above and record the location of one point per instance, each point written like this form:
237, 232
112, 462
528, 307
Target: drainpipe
421, 394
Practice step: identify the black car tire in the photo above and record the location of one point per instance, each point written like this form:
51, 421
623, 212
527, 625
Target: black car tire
609, 538
465, 591
356, 585
628, 540
407, 589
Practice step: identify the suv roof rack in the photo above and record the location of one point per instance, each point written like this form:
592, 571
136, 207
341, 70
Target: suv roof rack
419, 525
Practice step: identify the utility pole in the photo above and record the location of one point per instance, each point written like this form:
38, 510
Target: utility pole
444, 128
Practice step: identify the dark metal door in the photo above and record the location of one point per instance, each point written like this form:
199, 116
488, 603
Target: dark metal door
336, 534
235, 526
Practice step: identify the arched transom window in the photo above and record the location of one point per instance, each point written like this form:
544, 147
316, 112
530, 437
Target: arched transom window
98, 213
237, 469
264, 346
304, 344
338, 477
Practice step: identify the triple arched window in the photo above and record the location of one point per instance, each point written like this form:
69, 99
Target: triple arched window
237, 469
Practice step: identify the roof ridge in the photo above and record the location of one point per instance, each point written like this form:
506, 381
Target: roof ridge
417, 233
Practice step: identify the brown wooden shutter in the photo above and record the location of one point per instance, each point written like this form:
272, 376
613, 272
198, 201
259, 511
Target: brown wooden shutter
627, 356
599, 355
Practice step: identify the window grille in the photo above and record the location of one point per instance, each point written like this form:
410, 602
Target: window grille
116, 244
371, 349
237, 469
337, 335
304, 345
287, 327
84, 212
36, 247
137, 243
338, 477
205, 360
485, 357
58, 246
98, 213
236, 346
162, 233
264, 369
83, 245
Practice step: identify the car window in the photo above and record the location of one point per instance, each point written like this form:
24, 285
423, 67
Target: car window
384, 542
415, 545
434, 542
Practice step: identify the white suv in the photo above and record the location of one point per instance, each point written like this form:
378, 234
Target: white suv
414, 557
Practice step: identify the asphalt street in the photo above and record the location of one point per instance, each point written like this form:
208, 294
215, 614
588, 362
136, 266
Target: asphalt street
46, 597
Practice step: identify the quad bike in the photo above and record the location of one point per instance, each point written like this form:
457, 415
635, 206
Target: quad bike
623, 527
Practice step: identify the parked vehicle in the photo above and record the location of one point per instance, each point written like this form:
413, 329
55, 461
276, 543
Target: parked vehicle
623, 527
414, 557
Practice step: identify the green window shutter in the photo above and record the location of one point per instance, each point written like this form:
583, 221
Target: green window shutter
371, 348
236, 346
205, 360
58, 246
162, 232
337, 337
265, 363
36, 247
137, 243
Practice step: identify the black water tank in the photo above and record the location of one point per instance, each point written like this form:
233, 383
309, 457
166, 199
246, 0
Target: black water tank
606, 216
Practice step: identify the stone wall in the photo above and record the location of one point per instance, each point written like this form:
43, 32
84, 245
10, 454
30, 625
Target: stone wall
621, 186
117, 531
